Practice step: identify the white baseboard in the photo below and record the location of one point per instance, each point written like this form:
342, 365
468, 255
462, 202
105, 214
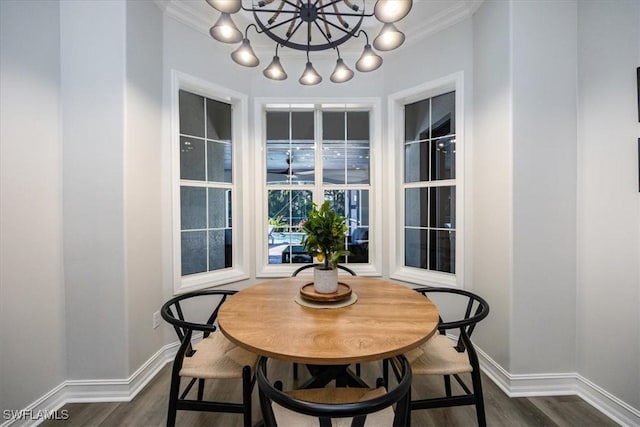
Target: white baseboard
514, 385
528, 385
74, 391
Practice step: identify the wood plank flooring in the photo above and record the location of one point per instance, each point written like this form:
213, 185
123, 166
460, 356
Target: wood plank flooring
149, 407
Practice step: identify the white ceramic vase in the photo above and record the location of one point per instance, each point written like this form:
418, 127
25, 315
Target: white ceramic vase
325, 281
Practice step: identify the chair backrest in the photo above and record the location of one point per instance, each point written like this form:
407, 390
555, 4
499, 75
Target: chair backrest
172, 312
306, 266
476, 309
272, 394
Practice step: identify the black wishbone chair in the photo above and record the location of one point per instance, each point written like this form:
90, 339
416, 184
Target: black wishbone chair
373, 406
295, 273
448, 357
214, 357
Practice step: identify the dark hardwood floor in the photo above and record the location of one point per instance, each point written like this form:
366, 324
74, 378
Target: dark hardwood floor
150, 406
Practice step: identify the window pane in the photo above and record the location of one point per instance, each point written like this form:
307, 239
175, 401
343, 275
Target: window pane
333, 126
278, 170
443, 115
333, 162
443, 207
218, 120
302, 125
358, 125
218, 162
303, 163
219, 211
191, 159
358, 245
277, 126
443, 159
416, 121
191, 114
415, 248
193, 202
286, 211
194, 252
416, 162
219, 249
442, 256
358, 163
415, 207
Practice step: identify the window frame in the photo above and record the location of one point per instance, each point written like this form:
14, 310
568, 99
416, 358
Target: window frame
396, 103
373, 105
240, 249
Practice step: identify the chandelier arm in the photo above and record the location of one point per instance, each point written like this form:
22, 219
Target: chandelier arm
331, 3
286, 41
351, 5
318, 47
323, 33
326, 26
279, 24
276, 14
340, 18
365, 35
289, 33
346, 31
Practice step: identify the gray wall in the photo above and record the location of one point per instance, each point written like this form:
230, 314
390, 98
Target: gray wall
543, 101
93, 98
31, 278
142, 175
608, 220
491, 176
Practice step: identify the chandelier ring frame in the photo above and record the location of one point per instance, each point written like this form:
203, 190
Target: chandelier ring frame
286, 42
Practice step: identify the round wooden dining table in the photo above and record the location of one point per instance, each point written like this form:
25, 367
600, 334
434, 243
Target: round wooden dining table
387, 319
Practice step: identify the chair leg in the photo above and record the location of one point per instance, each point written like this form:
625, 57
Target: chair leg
447, 385
246, 395
357, 369
295, 371
385, 371
173, 399
200, 388
477, 391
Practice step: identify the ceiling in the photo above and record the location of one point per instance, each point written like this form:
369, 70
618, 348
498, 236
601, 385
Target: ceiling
426, 17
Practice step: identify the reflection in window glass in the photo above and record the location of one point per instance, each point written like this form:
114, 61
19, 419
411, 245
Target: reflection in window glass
429, 168
294, 167
287, 209
354, 205
205, 205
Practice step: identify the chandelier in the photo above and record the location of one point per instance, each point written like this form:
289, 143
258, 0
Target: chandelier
310, 26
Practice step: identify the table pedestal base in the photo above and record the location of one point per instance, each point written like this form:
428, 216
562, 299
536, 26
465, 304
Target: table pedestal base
321, 375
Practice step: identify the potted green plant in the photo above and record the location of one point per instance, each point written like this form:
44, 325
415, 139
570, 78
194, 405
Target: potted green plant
325, 234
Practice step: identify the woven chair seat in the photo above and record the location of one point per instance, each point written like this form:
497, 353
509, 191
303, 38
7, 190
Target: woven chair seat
438, 356
217, 357
288, 418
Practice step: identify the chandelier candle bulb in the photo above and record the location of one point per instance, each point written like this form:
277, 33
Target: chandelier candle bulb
392, 10
310, 76
225, 30
226, 6
389, 38
244, 55
369, 60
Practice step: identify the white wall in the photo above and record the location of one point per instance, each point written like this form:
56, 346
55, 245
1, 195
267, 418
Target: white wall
142, 174
492, 177
93, 99
608, 221
543, 100
32, 331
